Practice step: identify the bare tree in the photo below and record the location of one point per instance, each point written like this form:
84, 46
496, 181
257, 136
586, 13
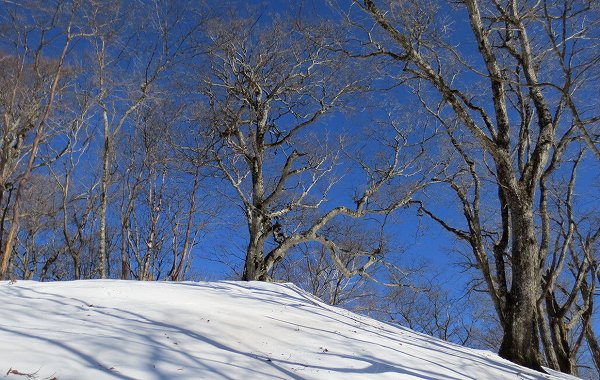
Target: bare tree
129, 59
31, 81
310, 267
428, 307
56, 214
158, 192
267, 90
536, 66
182, 250
38, 218
114, 72
569, 279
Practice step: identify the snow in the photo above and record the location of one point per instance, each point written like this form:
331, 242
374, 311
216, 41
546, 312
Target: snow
109, 329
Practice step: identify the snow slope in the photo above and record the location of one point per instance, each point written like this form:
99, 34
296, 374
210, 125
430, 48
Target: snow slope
107, 329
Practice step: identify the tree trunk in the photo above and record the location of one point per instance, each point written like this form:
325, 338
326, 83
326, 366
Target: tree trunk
566, 362
104, 201
76, 265
551, 359
254, 267
254, 264
560, 340
124, 258
520, 343
176, 270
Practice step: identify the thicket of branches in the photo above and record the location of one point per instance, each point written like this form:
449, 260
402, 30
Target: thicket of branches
149, 140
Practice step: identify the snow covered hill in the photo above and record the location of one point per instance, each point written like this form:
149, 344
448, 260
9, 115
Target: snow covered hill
219, 330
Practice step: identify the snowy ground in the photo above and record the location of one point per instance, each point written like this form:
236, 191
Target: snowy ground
218, 330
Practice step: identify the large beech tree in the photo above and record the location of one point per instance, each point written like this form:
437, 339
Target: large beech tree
512, 93
267, 87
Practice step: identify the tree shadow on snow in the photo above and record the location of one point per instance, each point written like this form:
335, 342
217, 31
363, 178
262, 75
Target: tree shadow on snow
155, 335
196, 353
